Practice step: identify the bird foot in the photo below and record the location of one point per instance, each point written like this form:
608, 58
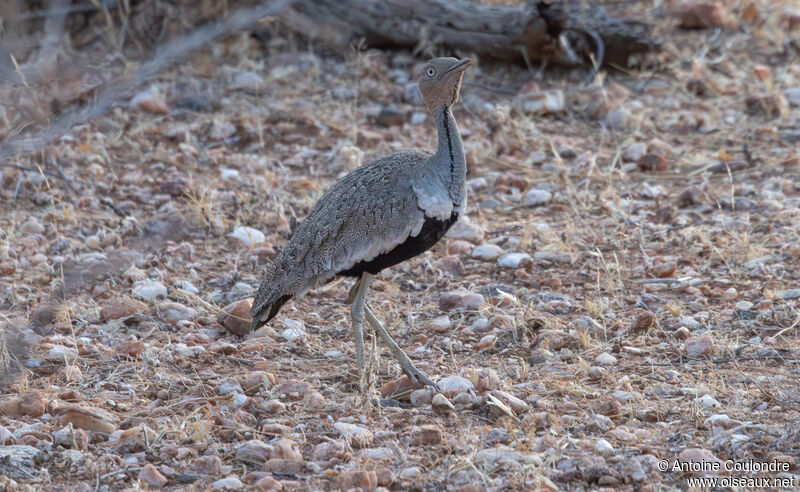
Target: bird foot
417, 376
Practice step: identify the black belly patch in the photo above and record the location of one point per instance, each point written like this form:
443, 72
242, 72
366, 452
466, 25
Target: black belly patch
430, 234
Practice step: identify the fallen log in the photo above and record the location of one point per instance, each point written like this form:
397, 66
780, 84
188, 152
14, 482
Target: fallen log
566, 32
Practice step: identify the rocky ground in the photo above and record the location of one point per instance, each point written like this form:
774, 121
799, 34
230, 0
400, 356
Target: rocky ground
625, 289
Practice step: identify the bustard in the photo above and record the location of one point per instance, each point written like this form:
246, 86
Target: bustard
382, 213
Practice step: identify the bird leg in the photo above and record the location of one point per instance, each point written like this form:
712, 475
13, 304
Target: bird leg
408, 367
357, 317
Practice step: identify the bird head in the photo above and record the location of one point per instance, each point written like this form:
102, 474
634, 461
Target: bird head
440, 80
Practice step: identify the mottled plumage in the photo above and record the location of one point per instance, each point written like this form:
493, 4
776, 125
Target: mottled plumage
384, 212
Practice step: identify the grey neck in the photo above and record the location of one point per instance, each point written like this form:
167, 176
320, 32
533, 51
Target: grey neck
450, 151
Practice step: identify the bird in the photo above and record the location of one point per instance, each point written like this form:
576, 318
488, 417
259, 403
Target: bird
384, 212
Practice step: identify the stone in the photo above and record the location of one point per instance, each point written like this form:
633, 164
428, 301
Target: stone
465, 230
228, 483
441, 404
541, 102
248, 236
487, 380
603, 447
427, 435
420, 397
366, 481
643, 322
514, 260
135, 439
206, 465
253, 451
149, 290
152, 476
452, 385
699, 346
704, 14
150, 100
62, 354
605, 359
708, 401
461, 300
536, 197
121, 308
619, 118
87, 418
390, 116
515, 404
358, 437
19, 461
294, 388
487, 252
792, 95
71, 438
173, 312
267, 484
700, 457
27, 404
744, 305
286, 449
329, 451
235, 317
652, 162
634, 152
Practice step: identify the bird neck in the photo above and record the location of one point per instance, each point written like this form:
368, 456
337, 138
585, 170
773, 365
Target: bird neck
450, 148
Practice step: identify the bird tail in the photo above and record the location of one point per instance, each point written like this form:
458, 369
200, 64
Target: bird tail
264, 312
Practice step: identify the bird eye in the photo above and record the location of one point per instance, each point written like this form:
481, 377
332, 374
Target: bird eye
431, 72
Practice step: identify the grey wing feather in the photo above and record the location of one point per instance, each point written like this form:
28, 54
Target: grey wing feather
368, 212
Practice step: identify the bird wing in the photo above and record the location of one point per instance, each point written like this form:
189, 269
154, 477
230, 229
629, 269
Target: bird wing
368, 212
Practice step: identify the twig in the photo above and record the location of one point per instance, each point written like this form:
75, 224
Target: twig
122, 87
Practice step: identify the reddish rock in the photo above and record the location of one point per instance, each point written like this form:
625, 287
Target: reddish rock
699, 346
267, 484
152, 476
121, 308
235, 317
643, 321
330, 451
364, 480
652, 162
399, 388
703, 14
427, 435
31, 404
662, 270
460, 299
458, 247
207, 465
130, 349
286, 449
294, 389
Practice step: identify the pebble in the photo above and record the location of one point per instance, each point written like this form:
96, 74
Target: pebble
487, 380
440, 324
700, 456
536, 197
487, 252
152, 476
235, 317
699, 346
452, 385
460, 299
421, 397
634, 152
789, 294
441, 404
603, 447
150, 100
134, 274
744, 305
285, 449
248, 81
173, 312
605, 359
410, 473
248, 236
541, 102
330, 451
513, 260
357, 480
427, 435
618, 119
465, 230
228, 483
127, 349
458, 247
708, 401
701, 14
515, 404
357, 436
418, 118
149, 290
187, 286
18, 461
62, 354
69, 437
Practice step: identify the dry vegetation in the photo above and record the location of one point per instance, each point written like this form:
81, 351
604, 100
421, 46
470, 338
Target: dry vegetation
652, 311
